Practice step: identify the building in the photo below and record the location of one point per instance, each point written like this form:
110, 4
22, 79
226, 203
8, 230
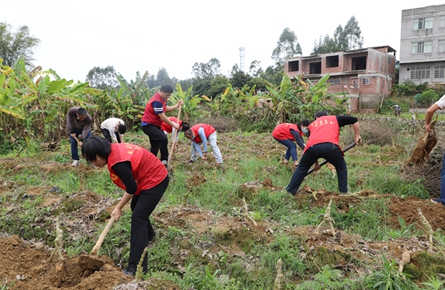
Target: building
422, 45
364, 75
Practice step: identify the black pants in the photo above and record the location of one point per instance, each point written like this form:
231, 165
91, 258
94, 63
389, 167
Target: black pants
142, 232
107, 135
329, 151
158, 140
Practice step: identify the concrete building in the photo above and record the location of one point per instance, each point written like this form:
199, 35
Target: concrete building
364, 75
422, 45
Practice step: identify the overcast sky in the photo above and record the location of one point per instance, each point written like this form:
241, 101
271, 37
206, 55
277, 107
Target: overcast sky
143, 36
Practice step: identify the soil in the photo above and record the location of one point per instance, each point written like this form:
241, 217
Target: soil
34, 265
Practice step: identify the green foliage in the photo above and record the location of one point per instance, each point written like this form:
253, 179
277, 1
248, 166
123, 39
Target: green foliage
287, 47
389, 278
343, 39
16, 44
327, 278
434, 283
429, 96
102, 78
408, 87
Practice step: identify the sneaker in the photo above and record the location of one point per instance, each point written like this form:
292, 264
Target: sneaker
165, 162
75, 163
128, 271
436, 200
190, 161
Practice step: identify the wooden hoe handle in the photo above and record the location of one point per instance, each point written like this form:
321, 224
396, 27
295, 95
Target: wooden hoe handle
99, 242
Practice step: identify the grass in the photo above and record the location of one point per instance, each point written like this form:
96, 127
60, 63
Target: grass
216, 190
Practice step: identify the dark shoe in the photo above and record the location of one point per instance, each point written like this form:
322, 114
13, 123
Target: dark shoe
129, 271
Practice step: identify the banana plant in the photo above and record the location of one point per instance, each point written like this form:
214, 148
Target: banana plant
191, 109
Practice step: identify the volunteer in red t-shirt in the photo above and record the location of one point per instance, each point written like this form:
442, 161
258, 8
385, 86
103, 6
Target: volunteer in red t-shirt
286, 134
200, 134
154, 115
183, 126
323, 142
144, 179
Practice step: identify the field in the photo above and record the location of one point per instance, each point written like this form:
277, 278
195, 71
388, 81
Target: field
231, 227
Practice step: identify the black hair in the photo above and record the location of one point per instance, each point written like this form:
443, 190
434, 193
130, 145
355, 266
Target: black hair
185, 126
81, 112
122, 128
320, 114
96, 146
303, 123
167, 88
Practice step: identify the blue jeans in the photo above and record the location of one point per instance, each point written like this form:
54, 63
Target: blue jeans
328, 151
291, 149
442, 182
74, 150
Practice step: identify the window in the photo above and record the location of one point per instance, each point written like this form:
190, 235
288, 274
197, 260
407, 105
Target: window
355, 84
294, 65
423, 23
332, 61
441, 45
335, 81
439, 71
365, 81
442, 21
418, 73
422, 47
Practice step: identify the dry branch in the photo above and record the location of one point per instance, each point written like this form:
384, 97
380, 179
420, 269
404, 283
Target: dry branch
328, 219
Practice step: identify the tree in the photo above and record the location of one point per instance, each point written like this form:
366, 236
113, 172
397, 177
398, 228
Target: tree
218, 85
207, 70
287, 47
255, 68
162, 77
343, 39
239, 79
102, 78
16, 44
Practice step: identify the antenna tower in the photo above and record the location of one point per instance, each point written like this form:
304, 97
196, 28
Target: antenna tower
242, 54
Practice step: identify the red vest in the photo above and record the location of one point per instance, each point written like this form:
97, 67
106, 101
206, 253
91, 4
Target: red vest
323, 129
208, 130
282, 131
166, 127
148, 171
149, 113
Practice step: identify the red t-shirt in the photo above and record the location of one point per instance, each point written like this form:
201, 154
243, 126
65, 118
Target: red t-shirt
282, 131
208, 130
167, 128
151, 114
323, 129
147, 169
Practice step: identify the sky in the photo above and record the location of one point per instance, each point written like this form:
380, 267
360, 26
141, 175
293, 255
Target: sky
139, 36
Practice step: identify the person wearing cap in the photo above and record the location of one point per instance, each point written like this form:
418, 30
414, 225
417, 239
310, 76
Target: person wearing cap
286, 134
201, 134
183, 126
154, 115
323, 142
79, 123
113, 129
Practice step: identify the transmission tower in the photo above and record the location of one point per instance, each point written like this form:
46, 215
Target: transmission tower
242, 53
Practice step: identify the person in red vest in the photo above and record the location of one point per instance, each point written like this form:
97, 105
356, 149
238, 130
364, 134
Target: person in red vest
324, 134
144, 179
154, 115
183, 126
286, 134
201, 134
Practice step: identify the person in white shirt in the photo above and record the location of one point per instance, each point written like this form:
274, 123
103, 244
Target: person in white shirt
113, 128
